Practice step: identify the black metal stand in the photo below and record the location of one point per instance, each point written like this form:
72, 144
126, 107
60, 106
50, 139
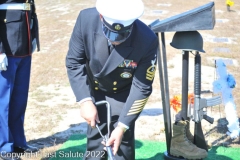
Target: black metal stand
185, 68
162, 65
167, 156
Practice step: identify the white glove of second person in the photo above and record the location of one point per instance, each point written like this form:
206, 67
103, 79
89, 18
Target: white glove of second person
3, 62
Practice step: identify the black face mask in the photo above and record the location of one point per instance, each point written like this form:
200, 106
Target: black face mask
116, 36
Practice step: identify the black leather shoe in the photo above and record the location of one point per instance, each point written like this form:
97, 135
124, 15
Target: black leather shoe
26, 149
10, 156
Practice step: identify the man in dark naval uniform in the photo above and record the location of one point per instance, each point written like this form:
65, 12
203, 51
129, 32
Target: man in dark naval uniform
18, 40
123, 76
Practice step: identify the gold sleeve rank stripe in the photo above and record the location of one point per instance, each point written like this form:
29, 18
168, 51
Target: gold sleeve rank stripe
150, 73
137, 106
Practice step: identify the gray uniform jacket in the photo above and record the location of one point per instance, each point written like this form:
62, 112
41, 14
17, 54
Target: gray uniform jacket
128, 69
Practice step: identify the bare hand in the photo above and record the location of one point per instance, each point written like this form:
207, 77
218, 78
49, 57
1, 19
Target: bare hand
89, 113
115, 139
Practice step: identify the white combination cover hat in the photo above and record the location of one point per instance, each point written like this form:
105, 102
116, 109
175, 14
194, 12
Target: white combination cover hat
118, 16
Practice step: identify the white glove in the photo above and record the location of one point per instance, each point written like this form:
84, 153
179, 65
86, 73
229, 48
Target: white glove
3, 62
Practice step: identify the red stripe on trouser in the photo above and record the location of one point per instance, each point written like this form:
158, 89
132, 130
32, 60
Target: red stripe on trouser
28, 27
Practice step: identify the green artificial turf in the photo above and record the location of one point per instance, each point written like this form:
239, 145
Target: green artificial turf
74, 148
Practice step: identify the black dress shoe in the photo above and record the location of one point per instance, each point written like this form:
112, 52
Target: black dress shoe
10, 156
26, 149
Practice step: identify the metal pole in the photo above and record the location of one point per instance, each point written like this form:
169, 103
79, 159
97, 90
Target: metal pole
164, 91
167, 101
185, 66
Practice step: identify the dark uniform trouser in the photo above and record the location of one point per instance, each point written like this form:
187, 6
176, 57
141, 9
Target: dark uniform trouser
94, 149
14, 85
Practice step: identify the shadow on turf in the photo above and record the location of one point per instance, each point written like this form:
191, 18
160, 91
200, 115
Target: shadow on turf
152, 112
56, 138
212, 154
221, 128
